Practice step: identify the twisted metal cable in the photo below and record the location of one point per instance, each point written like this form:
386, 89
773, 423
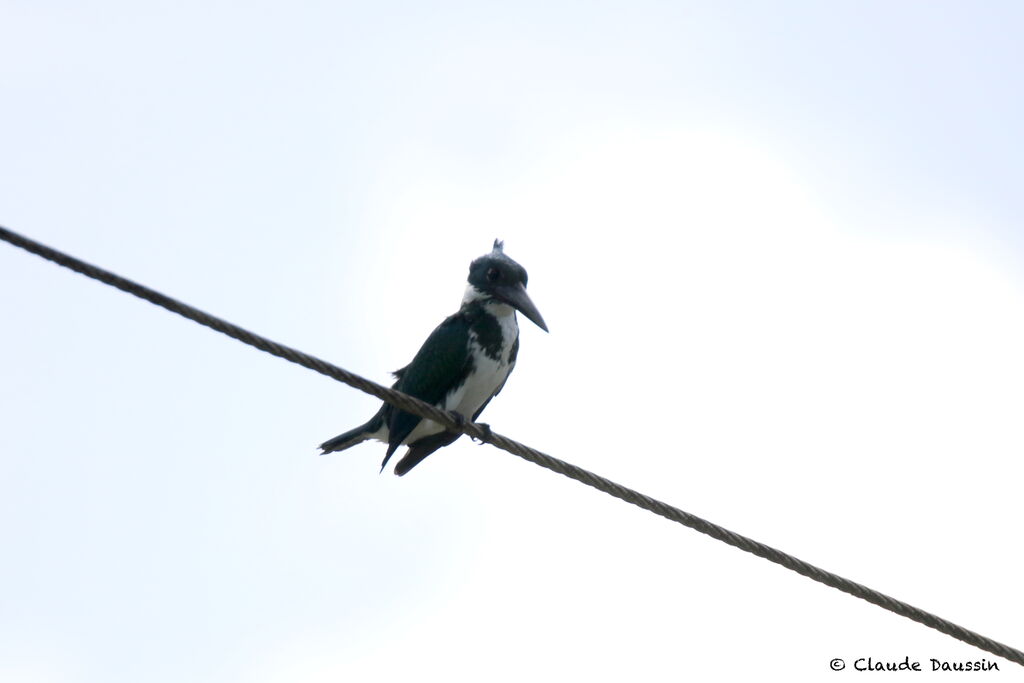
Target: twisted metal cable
427, 411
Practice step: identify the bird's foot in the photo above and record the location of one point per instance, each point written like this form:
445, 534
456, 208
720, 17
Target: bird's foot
486, 429
460, 420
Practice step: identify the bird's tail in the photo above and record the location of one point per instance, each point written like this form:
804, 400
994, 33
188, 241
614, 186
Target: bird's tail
353, 436
421, 449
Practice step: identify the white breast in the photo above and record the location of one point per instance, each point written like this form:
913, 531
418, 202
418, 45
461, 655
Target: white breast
490, 373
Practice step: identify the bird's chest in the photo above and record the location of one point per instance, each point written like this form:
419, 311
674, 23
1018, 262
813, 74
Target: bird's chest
492, 358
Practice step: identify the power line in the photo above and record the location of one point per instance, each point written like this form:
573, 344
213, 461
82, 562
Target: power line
424, 410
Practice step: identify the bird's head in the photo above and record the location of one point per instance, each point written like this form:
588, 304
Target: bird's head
497, 277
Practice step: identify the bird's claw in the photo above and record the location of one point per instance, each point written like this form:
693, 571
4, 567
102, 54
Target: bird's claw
486, 429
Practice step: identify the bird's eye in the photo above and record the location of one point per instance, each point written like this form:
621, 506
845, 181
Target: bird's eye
493, 274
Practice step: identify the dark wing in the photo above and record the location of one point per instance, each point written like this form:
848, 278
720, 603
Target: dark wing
443, 362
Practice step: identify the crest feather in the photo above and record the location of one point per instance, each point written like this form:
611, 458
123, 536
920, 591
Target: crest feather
499, 246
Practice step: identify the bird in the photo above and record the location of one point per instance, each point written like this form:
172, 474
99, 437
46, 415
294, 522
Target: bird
462, 365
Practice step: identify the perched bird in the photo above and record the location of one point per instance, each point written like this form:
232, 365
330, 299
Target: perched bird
463, 364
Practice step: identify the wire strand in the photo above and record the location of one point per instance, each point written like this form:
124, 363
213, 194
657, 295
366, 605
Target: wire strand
427, 411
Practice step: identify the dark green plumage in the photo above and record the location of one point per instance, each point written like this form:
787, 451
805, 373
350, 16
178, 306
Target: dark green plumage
442, 364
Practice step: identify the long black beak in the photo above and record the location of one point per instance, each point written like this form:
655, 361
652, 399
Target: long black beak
517, 297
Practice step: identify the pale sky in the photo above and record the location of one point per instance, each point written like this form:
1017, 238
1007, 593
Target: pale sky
778, 246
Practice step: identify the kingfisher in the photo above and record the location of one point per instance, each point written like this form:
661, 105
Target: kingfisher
463, 364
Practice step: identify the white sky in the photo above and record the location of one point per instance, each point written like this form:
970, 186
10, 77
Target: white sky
778, 246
